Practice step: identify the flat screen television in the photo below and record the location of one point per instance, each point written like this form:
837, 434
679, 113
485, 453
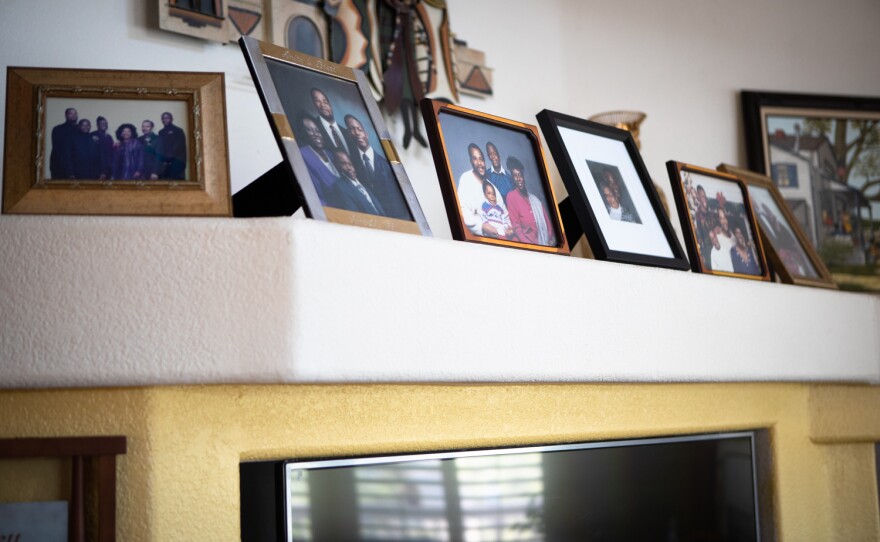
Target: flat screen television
682, 488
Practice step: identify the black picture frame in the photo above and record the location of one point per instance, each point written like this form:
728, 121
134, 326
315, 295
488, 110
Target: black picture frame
286, 81
455, 133
687, 182
584, 194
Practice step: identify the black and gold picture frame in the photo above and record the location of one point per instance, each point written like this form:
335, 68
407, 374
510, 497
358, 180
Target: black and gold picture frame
336, 150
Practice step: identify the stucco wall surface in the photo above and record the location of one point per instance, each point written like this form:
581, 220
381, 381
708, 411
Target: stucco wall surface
113, 301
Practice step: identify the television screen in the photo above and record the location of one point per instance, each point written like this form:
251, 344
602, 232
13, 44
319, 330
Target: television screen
689, 488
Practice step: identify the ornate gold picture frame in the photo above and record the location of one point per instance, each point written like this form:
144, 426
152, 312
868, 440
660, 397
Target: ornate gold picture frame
110, 142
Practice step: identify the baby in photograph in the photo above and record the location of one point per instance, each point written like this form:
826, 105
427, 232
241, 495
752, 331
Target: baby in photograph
492, 213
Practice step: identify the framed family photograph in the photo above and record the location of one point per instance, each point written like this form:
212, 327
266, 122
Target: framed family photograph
493, 178
115, 142
336, 149
611, 192
788, 250
823, 154
719, 226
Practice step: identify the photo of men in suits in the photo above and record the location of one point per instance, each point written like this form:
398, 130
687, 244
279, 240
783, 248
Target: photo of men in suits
339, 145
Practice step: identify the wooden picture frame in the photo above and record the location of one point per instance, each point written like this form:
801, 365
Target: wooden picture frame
55, 164
822, 153
299, 94
611, 192
505, 200
710, 224
789, 252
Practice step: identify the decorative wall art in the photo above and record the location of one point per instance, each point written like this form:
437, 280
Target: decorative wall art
787, 247
406, 48
823, 154
214, 20
611, 193
335, 146
115, 142
719, 225
494, 179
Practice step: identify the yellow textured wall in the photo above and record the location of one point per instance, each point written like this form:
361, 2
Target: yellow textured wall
179, 479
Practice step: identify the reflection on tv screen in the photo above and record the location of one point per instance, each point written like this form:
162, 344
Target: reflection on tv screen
680, 489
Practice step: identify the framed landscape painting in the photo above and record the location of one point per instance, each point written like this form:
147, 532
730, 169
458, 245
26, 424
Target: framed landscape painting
823, 154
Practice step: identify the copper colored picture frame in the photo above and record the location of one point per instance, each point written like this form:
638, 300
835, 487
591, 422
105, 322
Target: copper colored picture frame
789, 252
511, 204
58, 160
713, 207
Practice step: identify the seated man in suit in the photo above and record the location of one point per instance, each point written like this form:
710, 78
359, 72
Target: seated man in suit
351, 194
374, 170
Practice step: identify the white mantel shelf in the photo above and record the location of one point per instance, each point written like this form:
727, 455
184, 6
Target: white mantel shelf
122, 301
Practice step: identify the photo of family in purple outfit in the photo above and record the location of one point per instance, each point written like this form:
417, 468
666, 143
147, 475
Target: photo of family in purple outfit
84, 145
498, 182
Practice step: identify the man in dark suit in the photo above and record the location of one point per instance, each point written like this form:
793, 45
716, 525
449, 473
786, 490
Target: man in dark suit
105, 141
374, 170
334, 135
86, 160
150, 143
350, 192
171, 149
62, 145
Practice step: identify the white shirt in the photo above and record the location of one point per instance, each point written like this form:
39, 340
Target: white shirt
471, 198
331, 128
369, 154
721, 260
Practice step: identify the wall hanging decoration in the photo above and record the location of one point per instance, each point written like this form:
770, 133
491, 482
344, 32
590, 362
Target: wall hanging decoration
406, 48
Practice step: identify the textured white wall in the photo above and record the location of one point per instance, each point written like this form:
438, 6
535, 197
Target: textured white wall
681, 61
